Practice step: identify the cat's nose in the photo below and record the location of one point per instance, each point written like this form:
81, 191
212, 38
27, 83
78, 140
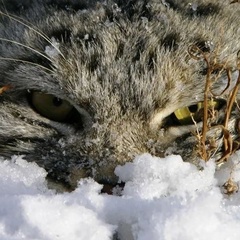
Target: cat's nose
105, 146
121, 140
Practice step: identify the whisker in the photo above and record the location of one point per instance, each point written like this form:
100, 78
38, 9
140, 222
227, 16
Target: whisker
33, 29
25, 46
28, 62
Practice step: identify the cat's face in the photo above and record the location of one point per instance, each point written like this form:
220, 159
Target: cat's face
90, 89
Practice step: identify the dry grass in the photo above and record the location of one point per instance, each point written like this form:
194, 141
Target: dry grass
206, 145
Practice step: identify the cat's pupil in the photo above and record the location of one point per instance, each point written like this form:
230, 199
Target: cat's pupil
57, 102
193, 108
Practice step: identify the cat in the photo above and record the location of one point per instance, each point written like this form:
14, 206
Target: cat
88, 85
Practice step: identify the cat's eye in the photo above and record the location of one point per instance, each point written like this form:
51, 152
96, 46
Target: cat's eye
52, 107
186, 115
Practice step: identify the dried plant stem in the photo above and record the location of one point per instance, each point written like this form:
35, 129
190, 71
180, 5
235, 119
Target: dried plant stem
205, 127
231, 100
232, 97
205, 115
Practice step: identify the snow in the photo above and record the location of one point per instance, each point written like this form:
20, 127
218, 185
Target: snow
163, 199
53, 50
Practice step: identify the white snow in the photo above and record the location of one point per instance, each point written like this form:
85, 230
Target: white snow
53, 50
163, 199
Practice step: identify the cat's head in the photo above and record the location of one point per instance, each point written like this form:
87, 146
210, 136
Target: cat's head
86, 87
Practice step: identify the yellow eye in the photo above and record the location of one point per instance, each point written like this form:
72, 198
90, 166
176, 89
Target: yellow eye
185, 114
51, 107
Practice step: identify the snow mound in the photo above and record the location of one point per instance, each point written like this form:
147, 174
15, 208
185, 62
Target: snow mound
163, 199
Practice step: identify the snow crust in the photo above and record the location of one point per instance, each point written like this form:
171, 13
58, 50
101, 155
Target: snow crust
163, 199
